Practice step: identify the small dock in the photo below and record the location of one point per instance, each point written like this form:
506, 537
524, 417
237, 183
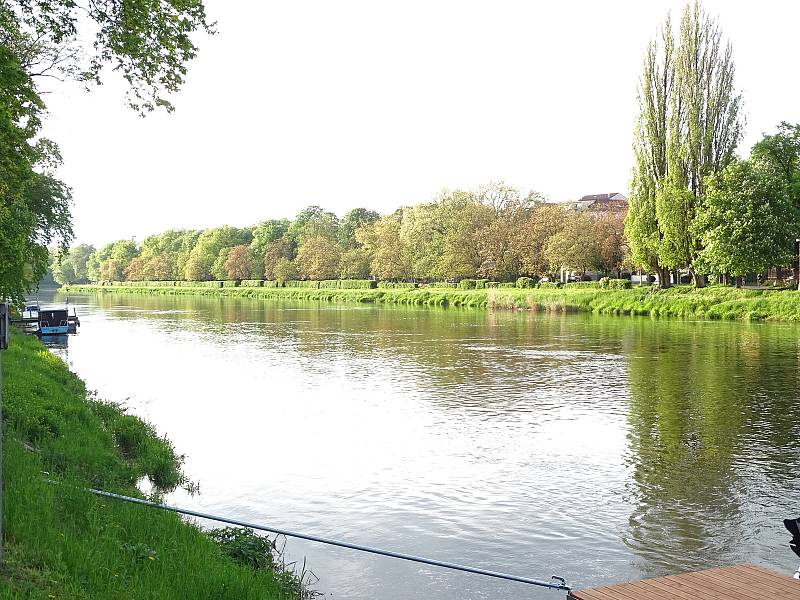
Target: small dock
742, 582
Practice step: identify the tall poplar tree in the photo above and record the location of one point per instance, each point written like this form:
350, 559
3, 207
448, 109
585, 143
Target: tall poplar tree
650, 152
689, 125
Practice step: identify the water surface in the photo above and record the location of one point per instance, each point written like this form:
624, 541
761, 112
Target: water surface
601, 449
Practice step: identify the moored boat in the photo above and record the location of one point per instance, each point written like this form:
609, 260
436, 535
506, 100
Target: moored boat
53, 321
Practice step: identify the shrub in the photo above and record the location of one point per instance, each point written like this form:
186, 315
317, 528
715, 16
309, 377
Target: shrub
230, 283
582, 284
614, 284
444, 284
467, 284
244, 546
270, 284
507, 285
297, 283
526, 282
252, 283
480, 284
396, 285
549, 285
492, 284
207, 284
348, 284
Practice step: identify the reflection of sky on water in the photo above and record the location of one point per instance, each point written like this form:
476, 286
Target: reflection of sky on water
599, 449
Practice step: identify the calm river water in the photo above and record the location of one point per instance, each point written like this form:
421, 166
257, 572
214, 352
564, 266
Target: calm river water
600, 449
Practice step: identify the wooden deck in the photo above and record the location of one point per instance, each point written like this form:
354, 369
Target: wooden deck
743, 582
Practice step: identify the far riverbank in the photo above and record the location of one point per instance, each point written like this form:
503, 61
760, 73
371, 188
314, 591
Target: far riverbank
716, 302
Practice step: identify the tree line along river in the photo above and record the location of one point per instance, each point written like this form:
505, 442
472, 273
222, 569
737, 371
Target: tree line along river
597, 448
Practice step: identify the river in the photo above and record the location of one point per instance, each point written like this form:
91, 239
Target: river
600, 449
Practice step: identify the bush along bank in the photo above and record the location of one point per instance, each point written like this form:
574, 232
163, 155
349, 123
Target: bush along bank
613, 297
62, 542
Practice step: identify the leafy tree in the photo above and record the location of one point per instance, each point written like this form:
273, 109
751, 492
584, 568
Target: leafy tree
109, 263
62, 270
351, 221
749, 220
163, 267
782, 151
275, 251
496, 241
95, 262
237, 265
196, 269
575, 246
612, 247
313, 221
124, 251
705, 128
318, 258
382, 241
204, 260
34, 206
285, 270
265, 234
72, 266
528, 243
497, 260
355, 264
112, 270
148, 42
79, 257
172, 240
650, 152
218, 271
462, 215
422, 239
688, 128
138, 269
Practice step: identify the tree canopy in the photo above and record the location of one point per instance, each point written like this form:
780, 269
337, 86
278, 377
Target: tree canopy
149, 43
749, 220
688, 127
493, 231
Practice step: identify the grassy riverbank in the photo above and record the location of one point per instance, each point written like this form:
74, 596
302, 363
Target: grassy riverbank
61, 542
716, 302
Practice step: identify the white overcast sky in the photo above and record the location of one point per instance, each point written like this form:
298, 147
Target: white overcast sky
380, 104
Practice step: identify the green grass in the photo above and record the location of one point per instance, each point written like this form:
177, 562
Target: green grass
62, 542
715, 302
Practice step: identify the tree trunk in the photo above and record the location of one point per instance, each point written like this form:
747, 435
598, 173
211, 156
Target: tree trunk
699, 279
663, 277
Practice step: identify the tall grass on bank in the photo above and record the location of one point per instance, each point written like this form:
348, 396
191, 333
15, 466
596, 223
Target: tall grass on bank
62, 542
715, 302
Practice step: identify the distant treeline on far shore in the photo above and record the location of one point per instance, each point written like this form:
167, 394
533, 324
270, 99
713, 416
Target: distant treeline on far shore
495, 233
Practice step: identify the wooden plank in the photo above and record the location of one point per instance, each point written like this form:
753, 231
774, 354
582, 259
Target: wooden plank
786, 584
677, 589
754, 588
742, 582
